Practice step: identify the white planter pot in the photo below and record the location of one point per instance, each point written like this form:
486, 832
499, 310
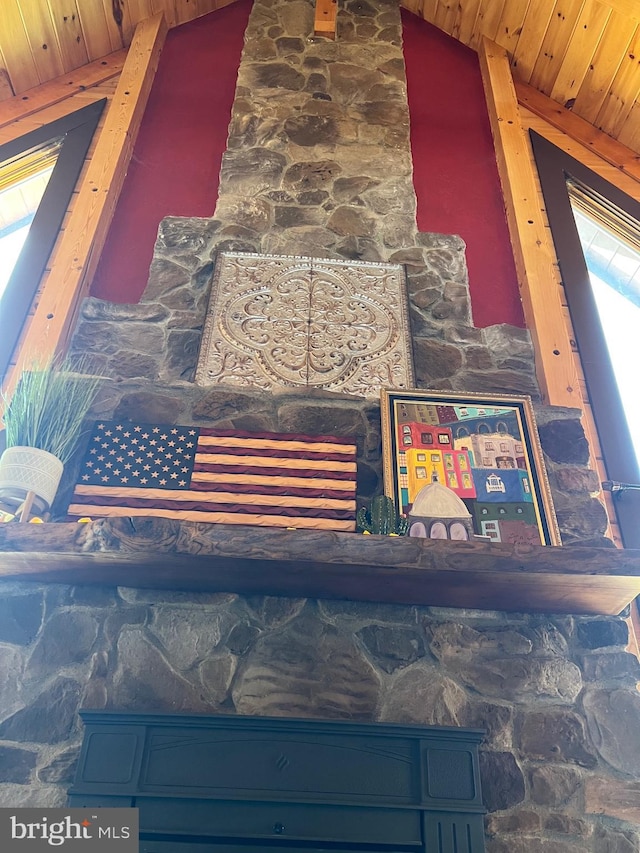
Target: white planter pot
28, 469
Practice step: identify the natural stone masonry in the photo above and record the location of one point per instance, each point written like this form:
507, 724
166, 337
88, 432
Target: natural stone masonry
581, 517
275, 177
319, 165
560, 763
318, 152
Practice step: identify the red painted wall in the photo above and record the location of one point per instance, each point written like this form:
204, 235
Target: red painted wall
176, 162
454, 165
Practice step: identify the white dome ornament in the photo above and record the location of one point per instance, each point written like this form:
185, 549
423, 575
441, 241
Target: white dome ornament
438, 513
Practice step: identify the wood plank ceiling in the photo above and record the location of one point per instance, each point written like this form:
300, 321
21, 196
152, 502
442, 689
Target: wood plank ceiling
584, 54
42, 39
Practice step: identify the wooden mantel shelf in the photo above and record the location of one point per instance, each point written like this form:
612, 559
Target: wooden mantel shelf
176, 555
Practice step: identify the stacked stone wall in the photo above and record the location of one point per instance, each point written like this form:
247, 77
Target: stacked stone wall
149, 352
319, 165
556, 695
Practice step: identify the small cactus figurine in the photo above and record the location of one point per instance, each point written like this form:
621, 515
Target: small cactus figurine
381, 517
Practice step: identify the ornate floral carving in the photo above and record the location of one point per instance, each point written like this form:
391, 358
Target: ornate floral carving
291, 321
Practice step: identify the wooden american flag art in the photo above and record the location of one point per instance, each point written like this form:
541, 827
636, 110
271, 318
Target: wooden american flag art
217, 475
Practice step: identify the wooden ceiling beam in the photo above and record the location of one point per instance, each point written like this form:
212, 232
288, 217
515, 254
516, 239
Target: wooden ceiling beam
586, 134
15, 49
78, 250
325, 18
55, 91
534, 254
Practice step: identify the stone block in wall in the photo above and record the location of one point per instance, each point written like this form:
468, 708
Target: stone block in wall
600, 633
225, 654
392, 648
16, 765
145, 680
618, 798
503, 784
521, 821
554, 734
313, 671
553, 784
12, 660
611, 667
185, 238
20, 617
534, 844
67, 638
582, 520
564, 441
611, 716
610, 840
49, 718
151, 406
424, 694
60, 769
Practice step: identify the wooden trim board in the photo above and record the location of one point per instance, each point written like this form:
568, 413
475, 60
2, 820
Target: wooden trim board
78, 250
615, 164
324, 23
613, 152
536, 265
62, 88
76, 130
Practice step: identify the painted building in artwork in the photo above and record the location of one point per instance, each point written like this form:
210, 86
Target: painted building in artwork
498, 485
425, 435
504, 509
488, 469
505, 522
452, 468
438, 513
471, 419
493, 450
427, 455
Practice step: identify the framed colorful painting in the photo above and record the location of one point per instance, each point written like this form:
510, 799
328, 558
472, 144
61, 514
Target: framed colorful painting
464, 466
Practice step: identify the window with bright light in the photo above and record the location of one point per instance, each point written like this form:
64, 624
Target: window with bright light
38, 174
596, 232
23, 181
612, 254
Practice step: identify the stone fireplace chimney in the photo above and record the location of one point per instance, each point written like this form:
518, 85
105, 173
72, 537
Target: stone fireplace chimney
319, 160
319, 165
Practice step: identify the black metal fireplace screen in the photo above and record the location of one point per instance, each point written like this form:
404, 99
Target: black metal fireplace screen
223, 784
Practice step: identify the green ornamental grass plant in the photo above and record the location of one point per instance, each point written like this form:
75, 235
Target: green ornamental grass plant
48, 407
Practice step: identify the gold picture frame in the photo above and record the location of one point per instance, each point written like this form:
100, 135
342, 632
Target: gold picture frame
483, 452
